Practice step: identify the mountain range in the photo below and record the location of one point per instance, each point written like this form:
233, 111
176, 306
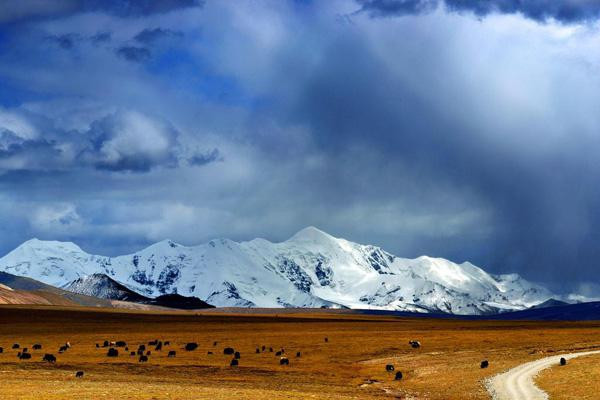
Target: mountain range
311, 269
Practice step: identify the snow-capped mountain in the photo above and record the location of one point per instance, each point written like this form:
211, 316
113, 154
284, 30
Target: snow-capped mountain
311, 269
104, 287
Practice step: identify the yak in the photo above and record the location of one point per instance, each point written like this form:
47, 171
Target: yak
485, 364
234, 363
284, 361
228, 350
36, 346
79, 374
112, 352
191, 346
389, 368
143, 359
49, 358
563, 361
398, 376
172, 353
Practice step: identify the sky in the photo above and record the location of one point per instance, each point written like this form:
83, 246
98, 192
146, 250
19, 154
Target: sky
451, 128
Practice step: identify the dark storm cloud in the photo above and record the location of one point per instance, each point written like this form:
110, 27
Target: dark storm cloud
150, 36
23, 10
200, 159
134, 53
566, 11
384, 8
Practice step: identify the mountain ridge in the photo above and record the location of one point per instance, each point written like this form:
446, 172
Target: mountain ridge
310, 269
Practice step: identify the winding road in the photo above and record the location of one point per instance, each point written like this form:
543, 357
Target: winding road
517, 383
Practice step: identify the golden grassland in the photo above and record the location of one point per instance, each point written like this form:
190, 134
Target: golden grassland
578, 380
350, 365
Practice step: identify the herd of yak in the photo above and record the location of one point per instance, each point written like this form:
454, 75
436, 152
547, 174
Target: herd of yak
143, 352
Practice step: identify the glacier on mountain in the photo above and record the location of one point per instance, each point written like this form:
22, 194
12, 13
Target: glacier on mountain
311, 269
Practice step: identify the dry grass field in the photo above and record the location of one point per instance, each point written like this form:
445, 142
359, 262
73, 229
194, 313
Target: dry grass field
350, 365
578, 380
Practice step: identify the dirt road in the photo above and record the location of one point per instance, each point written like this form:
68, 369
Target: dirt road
517, 383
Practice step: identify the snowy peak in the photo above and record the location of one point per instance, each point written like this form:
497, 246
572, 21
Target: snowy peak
102, 286
311, 269
311, 234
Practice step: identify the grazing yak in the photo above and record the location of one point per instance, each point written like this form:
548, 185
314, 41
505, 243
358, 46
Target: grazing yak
191, 346
79, 374
209, 353
398, 376
153, 342
148, 353
284, 361
36, 346
298, 354
132, 354
264, 348
141, 349
121, 343
563, 361
326, 339
485, 364
215, 343
389, 368
24, 356
16, 346
62, 349
172, 353
143, 359
270, 349
415, 344
237, 355
49, 358
97, 346
167, 343
112, 352
1, 350
228, 350
257, 350
105, 344
158, 346
277, 354
234, 363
